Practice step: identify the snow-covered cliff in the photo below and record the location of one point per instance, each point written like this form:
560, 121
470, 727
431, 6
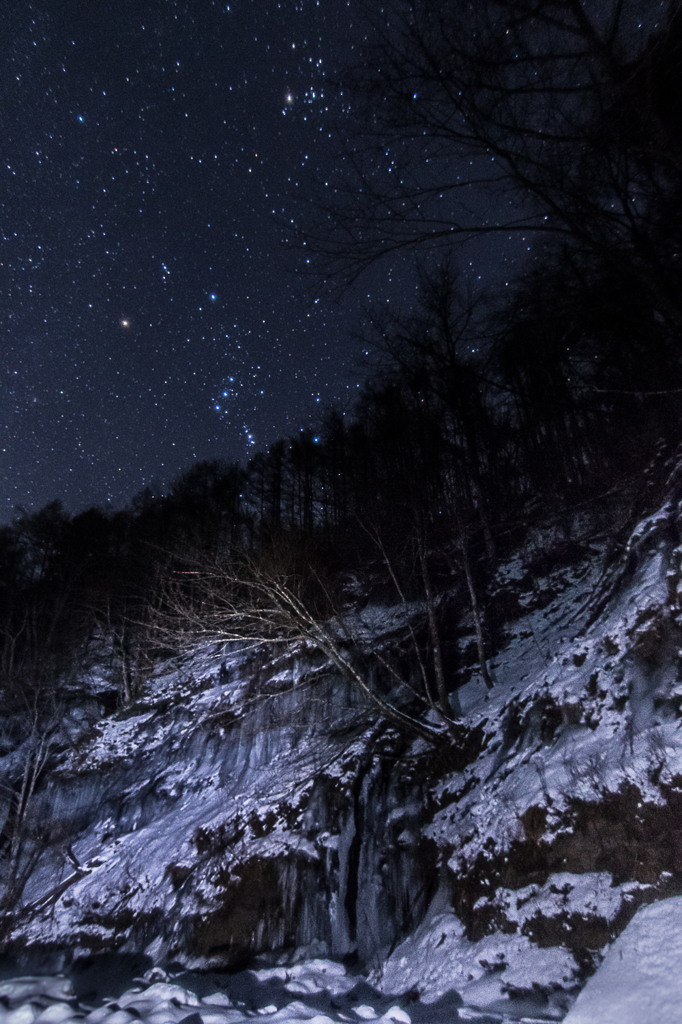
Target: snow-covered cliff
250, 804
247, 804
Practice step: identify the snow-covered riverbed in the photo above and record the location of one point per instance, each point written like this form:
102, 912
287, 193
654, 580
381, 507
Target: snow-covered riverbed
316, 991
639, 982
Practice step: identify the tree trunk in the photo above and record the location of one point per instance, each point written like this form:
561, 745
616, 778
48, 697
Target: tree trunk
476, 612
443, 697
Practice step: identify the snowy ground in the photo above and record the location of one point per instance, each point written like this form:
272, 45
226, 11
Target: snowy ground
317, 991
639, 982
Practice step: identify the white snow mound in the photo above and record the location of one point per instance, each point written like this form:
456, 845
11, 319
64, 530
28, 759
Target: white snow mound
640, 980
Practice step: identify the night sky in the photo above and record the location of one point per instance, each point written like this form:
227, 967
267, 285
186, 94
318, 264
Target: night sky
154, 313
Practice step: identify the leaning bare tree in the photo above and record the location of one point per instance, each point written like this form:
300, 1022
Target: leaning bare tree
28, 827
279, 595
41, 636
26, 840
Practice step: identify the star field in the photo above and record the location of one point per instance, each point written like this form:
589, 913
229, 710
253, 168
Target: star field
154, 313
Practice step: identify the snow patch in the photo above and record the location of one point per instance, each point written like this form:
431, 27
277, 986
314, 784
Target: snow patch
439, 960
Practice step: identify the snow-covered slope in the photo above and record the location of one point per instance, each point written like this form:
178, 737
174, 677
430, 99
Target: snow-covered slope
640, 979
251, 805
568, 818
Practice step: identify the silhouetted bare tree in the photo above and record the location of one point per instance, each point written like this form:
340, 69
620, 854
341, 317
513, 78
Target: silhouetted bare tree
564, 114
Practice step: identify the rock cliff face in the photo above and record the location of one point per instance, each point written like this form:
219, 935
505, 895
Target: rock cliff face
247, 805
251, 804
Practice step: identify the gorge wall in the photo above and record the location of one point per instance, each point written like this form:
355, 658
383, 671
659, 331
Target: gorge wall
249, 804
